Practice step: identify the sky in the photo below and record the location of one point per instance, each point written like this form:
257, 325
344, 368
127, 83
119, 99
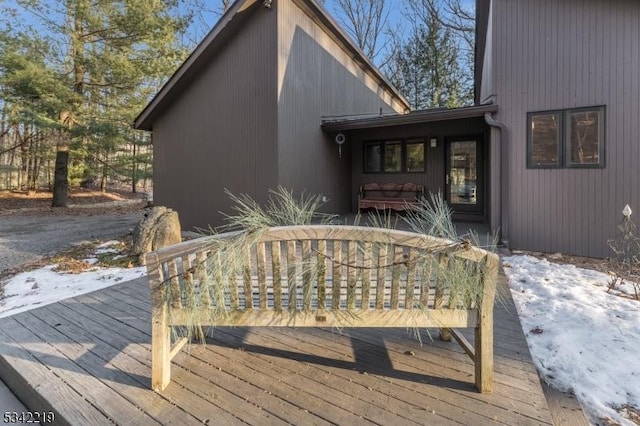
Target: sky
582, 337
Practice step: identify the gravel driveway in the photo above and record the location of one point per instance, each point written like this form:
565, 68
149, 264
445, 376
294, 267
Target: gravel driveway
24, 239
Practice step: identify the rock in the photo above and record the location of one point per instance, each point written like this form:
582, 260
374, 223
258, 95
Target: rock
159, 228
555, 256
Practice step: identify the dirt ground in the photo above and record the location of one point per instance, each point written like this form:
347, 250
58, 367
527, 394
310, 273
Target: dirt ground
81, 202
32, 231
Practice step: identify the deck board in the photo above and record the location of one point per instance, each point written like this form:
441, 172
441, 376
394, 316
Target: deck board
89, 359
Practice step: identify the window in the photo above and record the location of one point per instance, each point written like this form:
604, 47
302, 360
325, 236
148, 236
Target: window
372, 157
544, 139
566, 138
396, 156
585, 138
415, 156
393, 156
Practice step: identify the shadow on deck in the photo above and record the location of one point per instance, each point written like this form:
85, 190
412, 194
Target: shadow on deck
88, 360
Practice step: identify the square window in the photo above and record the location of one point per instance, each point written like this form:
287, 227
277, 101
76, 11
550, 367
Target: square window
415, 156
585, 138
544, 140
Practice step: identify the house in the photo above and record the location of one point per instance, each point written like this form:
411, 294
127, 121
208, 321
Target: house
547, 154
244, 111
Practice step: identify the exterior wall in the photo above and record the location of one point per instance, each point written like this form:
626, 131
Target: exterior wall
212, 137
433, 178
556, 54
317, 78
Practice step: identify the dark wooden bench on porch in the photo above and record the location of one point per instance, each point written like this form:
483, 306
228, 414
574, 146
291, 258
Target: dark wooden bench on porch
324, 276
395, 196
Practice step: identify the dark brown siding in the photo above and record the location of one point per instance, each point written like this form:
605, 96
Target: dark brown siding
554, 54
433, 177
317, 78
214, 136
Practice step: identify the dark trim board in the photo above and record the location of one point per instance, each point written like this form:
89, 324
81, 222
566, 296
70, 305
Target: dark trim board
88, 358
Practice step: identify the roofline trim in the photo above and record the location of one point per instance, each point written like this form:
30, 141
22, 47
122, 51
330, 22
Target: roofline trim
415, 117
319, 14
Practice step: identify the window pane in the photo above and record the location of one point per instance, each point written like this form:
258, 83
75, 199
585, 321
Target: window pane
544, 139
392, 157
584, 137
415, 156
372, 157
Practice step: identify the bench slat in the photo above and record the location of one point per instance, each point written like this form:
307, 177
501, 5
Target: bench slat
277, 276
411, 278
425, 271
174, 284
246, 279
291, 275
200, 275
322, 274
366, 274
352, 250
307, 285
381, 276
187, 278
336, 276
262, 274
396, 271
334, 318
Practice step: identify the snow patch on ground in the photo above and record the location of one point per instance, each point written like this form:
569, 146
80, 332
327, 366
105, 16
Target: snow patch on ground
582, 338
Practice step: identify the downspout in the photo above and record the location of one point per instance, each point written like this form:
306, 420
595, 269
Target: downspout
503, 156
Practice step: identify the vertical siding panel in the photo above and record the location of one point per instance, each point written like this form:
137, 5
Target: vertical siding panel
553, 54
317, 78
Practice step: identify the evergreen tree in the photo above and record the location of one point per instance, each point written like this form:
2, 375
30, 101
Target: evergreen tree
109, 57
428, 67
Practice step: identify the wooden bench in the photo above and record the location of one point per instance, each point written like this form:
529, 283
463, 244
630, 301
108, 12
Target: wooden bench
323, 276
394, 196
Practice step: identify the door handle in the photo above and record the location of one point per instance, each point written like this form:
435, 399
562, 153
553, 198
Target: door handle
446, 179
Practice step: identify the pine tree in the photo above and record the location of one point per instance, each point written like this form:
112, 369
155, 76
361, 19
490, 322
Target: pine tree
428, 67
109, 57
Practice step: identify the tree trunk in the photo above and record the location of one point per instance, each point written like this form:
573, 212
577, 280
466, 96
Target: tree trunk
60, 179
134, 171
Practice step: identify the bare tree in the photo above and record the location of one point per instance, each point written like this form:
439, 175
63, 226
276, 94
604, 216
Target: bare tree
452, 14
365, 21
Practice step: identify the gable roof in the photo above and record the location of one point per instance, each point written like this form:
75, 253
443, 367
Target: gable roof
231, 22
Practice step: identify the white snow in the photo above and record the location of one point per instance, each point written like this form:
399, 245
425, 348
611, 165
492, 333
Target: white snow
32, 289
586, 340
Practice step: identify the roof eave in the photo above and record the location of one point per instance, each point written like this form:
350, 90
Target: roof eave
416, 117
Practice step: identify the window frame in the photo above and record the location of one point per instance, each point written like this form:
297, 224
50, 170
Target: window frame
601, 138
559, 151
381, 144
564, 138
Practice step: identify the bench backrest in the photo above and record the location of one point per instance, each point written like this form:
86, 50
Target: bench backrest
392, 190
312, 269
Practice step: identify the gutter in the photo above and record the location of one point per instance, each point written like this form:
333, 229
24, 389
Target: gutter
504, 173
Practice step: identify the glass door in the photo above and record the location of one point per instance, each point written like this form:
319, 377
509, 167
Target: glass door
463, 180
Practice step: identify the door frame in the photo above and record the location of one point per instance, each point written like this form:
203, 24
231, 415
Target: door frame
465, 210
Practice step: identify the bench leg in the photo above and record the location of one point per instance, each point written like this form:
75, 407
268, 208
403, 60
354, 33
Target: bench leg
484, 353
160, 351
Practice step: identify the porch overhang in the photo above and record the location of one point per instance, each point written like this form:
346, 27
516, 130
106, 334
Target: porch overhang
332, 125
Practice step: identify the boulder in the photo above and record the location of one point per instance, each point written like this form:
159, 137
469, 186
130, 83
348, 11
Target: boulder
159, 228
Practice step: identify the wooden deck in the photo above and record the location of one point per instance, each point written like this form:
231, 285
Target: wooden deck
88, 360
